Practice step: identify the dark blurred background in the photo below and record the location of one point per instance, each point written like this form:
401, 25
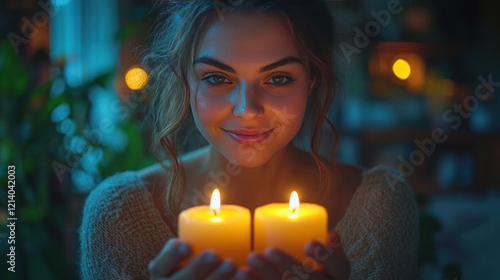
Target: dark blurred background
418, 91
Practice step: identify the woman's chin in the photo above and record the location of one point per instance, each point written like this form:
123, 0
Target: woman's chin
250, 160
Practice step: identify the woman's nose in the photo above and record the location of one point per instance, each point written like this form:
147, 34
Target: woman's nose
246, 102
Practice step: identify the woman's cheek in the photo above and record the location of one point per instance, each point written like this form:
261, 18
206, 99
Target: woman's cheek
290, 112
207, 102
208, 109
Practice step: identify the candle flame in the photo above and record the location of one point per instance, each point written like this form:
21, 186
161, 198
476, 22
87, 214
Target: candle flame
294, 202
215, 202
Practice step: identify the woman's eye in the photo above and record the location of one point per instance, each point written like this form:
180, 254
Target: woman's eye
216, 80
280, 80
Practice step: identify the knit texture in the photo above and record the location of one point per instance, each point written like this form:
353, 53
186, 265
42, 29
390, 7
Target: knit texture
122, 231
379, 230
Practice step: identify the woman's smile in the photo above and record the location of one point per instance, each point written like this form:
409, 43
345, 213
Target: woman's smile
249, 136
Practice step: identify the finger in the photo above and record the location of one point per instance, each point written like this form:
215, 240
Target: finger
225, 271
201, 266
264, 267
246, 274
289, 266
333, 241
170, 256
330, 255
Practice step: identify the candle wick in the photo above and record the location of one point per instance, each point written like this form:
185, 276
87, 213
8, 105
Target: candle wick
215, 212
293, 210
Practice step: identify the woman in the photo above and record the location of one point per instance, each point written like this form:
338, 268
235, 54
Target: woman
252, 75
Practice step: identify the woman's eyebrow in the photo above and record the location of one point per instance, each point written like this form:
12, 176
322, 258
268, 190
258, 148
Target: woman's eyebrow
215, 63
225, 67
281, 62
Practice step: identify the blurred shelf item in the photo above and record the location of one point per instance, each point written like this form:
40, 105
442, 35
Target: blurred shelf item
437, 160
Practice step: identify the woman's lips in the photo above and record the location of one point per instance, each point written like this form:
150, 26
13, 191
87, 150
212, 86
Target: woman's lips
249, 136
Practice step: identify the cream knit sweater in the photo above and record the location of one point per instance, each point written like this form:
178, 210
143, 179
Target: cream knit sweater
122, 231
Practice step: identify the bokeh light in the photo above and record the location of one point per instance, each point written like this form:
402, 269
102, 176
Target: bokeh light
401, 69
136, 78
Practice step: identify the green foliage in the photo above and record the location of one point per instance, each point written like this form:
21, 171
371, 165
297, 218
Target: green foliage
14, 77
127, 31
48, 206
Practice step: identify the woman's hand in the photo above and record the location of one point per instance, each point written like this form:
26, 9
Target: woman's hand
206, 265
275, 264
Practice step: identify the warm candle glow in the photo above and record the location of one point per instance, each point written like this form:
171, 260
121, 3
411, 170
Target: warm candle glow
223, 228
283, 226
215, 202
294, 202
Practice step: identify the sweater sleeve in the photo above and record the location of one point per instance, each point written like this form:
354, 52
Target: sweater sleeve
121, 230
379, 230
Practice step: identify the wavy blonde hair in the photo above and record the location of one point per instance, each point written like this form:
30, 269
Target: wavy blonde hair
170, 54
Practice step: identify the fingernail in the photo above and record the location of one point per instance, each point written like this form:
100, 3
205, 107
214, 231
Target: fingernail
310, 247
151, 265
227, 266
273, 255
255, 260
210, 258
183, 249
241, 274
152, 268
333, 237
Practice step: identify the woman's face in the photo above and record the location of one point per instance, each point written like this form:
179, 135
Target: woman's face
250, 86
